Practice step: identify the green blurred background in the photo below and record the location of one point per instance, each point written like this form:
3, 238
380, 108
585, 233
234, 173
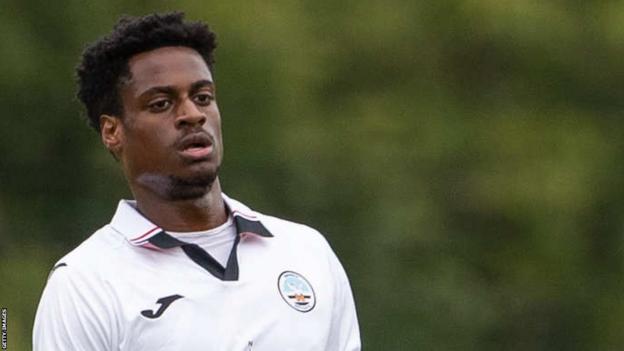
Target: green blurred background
463, 158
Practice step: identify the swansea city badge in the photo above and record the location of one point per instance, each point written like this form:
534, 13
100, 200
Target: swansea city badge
296, 291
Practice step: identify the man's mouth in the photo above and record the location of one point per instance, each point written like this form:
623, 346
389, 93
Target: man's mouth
195, 147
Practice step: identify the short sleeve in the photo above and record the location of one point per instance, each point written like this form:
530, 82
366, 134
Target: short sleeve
345, 332
73, 314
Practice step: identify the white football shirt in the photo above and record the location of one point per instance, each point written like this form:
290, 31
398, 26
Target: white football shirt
132, 286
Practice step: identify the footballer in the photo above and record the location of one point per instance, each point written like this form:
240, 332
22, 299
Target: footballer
183, 266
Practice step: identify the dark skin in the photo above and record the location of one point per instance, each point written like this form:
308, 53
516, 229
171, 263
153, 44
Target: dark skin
168, 140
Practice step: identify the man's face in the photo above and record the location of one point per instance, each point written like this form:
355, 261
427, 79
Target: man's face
171, 128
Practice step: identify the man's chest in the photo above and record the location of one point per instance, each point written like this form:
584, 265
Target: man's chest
279, 304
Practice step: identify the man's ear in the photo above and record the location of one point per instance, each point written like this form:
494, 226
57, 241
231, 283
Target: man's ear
112, 134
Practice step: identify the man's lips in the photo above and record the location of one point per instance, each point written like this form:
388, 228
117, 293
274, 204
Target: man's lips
196, 152
196, 146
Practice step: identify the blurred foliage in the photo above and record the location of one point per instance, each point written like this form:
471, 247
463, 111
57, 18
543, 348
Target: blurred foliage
462, 157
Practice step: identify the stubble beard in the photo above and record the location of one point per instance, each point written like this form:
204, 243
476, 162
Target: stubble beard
190, 188
175, 188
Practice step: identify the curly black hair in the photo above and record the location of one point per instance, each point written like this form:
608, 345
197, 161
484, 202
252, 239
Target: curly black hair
104, 64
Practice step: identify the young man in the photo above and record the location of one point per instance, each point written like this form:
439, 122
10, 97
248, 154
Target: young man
183, 267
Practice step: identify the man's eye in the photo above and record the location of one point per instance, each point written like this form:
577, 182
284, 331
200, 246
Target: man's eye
203, 99
159, 105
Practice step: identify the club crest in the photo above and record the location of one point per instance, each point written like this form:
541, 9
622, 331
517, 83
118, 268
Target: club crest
296, 291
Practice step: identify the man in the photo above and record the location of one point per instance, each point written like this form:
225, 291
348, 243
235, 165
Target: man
184, 267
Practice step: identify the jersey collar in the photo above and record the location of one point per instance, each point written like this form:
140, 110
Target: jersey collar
138, 230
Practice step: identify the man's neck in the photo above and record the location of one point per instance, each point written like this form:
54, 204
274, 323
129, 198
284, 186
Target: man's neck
199, 214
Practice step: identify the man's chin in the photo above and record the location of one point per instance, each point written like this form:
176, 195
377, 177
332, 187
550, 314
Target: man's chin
190, 187
179, 187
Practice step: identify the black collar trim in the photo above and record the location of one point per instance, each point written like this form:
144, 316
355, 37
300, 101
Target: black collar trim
243, 223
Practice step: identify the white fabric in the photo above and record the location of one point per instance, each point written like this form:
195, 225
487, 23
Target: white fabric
217, 242
94, 302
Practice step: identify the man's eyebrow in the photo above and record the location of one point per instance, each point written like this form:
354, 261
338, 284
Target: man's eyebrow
168, 89
160, 89
200, 84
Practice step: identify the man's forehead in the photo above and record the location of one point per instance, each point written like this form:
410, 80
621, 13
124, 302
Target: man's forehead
169, 65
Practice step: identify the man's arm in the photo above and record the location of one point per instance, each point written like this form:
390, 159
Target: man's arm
345, 332
72, 314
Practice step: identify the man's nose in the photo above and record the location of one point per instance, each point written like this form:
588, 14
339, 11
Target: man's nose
189, 114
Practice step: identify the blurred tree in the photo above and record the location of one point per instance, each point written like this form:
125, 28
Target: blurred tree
461, 156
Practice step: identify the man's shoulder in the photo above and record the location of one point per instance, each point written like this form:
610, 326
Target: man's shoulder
94, 252
282, 229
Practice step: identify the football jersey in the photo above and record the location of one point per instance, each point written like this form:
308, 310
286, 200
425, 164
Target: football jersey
131, 286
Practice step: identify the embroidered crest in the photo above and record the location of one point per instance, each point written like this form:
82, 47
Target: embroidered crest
296, 291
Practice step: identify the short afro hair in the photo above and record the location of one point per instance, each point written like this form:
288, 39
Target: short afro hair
104, 63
